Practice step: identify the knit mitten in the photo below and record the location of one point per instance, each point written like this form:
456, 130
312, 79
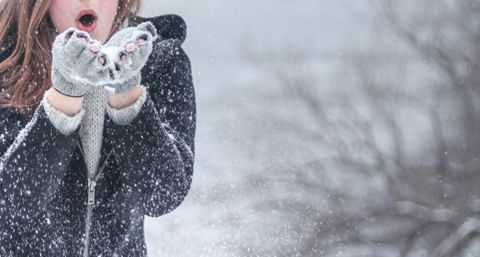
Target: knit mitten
125, 54
75, 63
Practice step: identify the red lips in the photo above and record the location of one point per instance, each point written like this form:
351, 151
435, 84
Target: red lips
87, 20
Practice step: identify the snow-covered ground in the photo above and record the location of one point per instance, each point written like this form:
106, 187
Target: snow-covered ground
219, 216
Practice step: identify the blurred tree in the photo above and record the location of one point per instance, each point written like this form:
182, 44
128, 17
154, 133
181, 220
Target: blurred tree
388, 162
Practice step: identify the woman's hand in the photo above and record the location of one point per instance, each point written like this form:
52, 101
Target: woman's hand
76, 63
125, 54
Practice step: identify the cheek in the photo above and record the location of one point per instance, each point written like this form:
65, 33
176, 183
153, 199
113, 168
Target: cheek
58, 12
110, 9
108, 13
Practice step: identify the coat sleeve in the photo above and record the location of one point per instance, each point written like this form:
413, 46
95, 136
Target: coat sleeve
34, 158
155, 151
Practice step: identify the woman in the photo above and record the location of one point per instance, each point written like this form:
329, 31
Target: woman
97, 126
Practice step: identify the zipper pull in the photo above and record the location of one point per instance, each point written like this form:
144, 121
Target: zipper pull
91, 191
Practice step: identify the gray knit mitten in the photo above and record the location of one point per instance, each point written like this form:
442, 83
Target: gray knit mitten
75, 63
125, 54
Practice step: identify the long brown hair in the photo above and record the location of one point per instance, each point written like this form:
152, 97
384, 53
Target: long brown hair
26, 37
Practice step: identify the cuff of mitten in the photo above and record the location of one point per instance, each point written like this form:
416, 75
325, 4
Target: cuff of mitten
125, 115
64, 123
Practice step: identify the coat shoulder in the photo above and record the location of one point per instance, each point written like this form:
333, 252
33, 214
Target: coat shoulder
169, 26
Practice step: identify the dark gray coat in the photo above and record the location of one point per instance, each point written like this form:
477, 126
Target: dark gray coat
146, 166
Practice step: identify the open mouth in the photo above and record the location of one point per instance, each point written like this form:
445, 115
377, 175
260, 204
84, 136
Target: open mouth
87, 20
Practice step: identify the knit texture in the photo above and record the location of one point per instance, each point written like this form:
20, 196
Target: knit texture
125, 115
64, 123
74, 66
91, 128
125, 65
91, 121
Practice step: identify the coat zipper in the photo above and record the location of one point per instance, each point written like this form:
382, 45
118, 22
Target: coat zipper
92, 183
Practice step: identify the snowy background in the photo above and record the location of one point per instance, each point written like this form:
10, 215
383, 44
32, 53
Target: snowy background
219, 218
320, 132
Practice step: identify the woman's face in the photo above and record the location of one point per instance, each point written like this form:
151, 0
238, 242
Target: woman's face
93, 16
